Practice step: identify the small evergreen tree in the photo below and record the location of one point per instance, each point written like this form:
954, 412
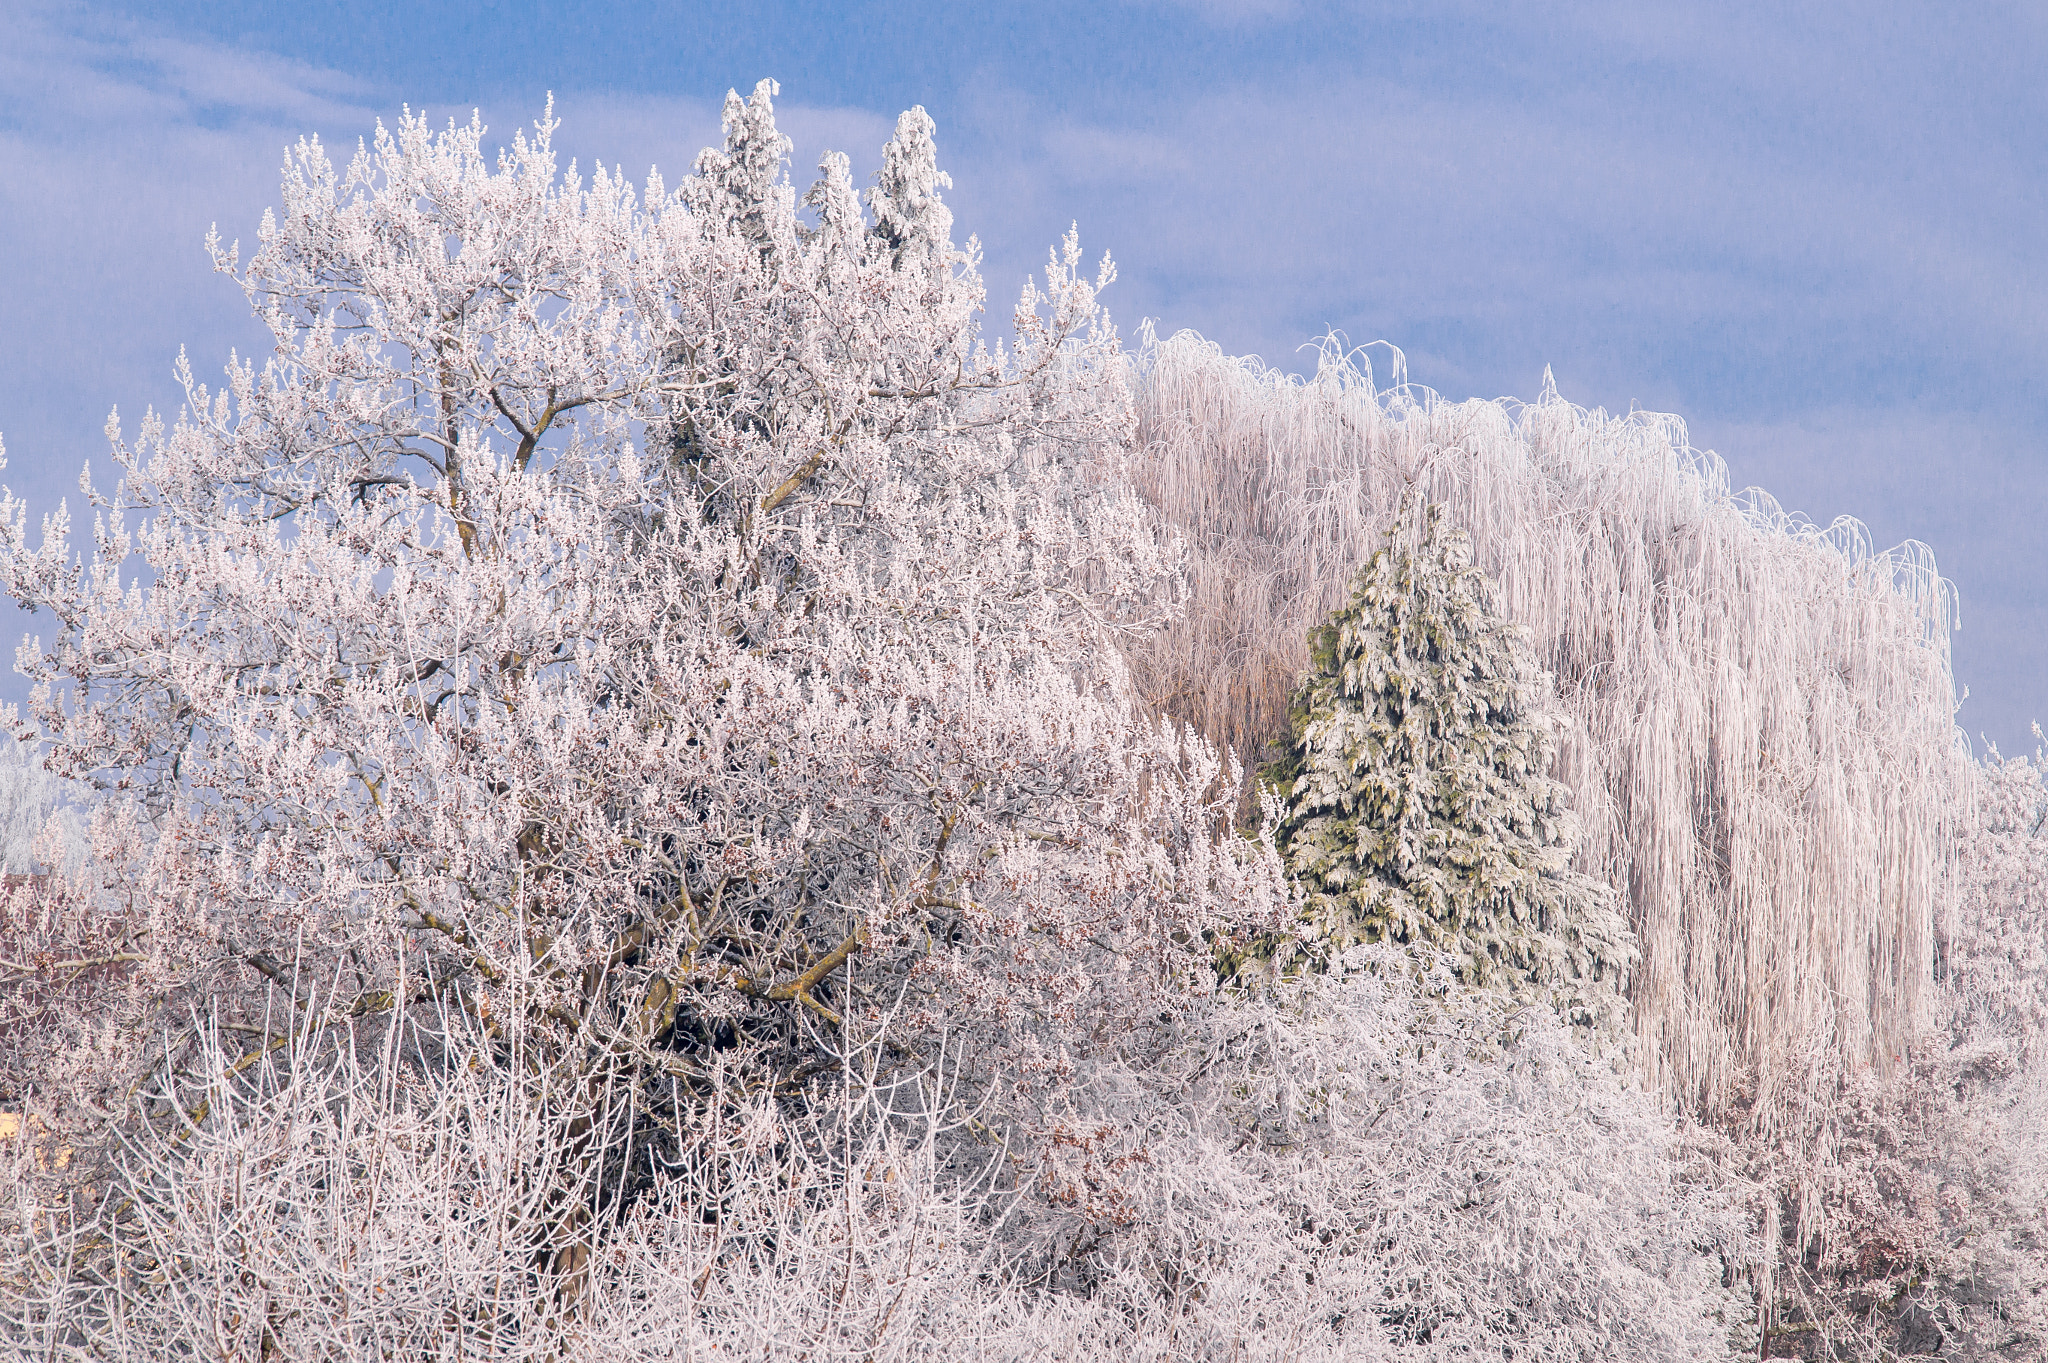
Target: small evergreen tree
1416, 796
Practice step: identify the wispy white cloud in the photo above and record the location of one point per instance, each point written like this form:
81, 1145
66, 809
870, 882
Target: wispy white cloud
120, 146
69, 70
1286, 211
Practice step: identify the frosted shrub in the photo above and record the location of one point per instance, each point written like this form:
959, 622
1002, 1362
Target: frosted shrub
1927, 1220
1379, 1161
378, 1196
1375, 1163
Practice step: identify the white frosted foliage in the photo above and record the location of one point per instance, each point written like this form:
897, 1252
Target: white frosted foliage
652, 650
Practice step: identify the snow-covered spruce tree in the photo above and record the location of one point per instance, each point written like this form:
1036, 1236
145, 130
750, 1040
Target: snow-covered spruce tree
1419, 805
646, 648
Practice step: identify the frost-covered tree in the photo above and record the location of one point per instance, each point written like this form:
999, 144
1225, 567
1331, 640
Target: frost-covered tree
656, 632
1834, 906
1417, 789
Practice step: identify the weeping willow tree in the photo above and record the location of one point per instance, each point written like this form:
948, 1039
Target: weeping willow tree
1760, 747
1419, 802
42, 818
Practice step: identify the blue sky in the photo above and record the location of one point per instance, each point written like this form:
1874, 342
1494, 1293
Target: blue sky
1814, 232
